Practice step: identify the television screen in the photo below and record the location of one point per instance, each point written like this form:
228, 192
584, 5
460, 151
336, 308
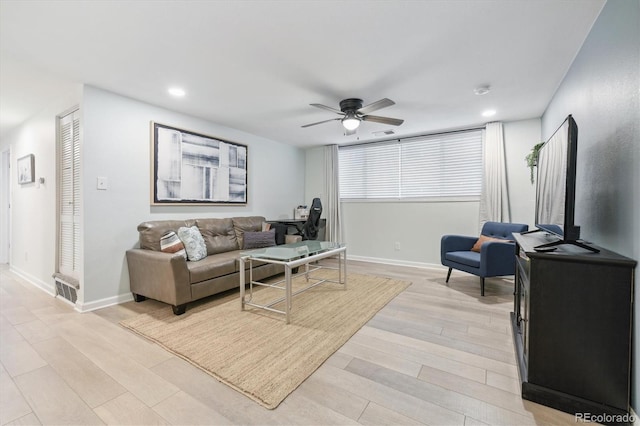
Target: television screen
555, 191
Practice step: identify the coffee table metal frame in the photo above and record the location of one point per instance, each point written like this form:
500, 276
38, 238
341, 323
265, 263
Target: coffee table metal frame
291, 256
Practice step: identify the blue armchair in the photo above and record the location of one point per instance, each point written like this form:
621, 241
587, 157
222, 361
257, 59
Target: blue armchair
494, 258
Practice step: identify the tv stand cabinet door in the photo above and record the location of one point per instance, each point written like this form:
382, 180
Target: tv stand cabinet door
580, 328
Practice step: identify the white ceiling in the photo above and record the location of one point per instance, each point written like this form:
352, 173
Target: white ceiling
257, 65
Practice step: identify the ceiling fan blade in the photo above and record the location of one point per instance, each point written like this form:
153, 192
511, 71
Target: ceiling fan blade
382, 103
320, 122
337, 111
383, 120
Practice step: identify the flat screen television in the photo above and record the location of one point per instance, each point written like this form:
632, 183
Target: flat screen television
556, 187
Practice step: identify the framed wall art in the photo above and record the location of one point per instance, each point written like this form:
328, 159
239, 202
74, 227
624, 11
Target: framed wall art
26, 169
191, 168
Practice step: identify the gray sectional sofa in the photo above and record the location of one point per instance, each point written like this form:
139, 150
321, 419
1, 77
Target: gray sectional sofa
170, 278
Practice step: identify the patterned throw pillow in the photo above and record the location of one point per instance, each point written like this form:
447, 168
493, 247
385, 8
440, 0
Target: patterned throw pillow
259, 239
193, 243
170, 243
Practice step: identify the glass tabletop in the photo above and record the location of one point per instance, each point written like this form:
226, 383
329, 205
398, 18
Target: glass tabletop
287, 252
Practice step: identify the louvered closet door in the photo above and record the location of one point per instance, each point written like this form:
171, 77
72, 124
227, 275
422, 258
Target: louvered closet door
69, 190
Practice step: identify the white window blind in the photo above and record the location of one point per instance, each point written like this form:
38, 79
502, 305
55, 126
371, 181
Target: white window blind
435, 166
69, 190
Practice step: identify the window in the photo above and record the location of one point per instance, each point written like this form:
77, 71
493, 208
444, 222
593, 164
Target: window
425, 167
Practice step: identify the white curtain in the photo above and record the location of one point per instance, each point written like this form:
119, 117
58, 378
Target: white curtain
494, 200
331, 204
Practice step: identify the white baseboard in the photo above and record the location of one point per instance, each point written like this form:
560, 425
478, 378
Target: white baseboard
397, 262
103, 303
48, 288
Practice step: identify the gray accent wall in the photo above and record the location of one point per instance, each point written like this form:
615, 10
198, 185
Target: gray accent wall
602, 92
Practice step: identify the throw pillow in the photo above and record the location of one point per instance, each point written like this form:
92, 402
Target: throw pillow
484, 239
170, 243
259, 239
193, 243
266, 226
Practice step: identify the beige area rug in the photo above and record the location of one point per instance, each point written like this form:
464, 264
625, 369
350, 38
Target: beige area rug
254, 351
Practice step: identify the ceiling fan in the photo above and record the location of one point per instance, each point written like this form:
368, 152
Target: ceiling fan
353, 113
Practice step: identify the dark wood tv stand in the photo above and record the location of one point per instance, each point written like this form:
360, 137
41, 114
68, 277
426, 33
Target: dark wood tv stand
571, 327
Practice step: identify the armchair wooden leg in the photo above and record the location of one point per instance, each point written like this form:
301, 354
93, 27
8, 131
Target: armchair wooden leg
448, 275
481, 286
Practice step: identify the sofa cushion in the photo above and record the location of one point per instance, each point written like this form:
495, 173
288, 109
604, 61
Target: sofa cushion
193, 242
259, 239
171, 243
151, 232
219, 235
246, 224
469, 258
213, 267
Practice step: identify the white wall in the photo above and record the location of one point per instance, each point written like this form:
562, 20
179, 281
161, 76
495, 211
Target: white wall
372, 229
520, 137
602, 92
115, 140
33, 205
5, 199
116, 145
314, 174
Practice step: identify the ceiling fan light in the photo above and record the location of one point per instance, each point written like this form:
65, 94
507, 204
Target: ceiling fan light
350, 122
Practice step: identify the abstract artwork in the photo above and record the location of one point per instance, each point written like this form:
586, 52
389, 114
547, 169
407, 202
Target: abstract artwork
191, 168
26, 169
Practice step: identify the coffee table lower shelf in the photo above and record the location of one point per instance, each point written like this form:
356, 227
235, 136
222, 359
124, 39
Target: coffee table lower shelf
285, 284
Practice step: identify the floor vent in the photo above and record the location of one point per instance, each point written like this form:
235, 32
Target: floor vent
66, 287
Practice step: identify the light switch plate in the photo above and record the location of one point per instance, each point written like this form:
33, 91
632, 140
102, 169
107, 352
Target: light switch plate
102, 183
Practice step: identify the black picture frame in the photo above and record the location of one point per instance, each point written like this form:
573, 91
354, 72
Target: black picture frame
189, 168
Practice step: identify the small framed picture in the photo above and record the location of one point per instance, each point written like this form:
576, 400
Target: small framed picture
26, 169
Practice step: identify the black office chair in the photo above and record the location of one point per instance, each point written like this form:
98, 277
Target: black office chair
311, 226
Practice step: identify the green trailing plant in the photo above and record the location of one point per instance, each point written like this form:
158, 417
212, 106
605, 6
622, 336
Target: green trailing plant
532, 159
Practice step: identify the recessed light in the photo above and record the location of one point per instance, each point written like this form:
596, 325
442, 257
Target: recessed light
489, 113
481, 90
177, 92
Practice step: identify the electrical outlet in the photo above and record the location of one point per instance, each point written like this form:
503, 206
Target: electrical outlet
396, 246
102, 183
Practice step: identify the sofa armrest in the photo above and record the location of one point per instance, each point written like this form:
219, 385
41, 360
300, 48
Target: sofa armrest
497, 259
160, 276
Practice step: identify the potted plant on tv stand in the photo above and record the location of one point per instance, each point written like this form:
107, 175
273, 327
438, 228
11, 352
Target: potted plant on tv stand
532, 159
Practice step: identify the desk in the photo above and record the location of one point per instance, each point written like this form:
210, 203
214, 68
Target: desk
286, 223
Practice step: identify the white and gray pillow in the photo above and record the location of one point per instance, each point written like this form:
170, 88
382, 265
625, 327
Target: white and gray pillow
193, 243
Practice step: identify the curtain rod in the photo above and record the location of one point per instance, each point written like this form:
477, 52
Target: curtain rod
416, 136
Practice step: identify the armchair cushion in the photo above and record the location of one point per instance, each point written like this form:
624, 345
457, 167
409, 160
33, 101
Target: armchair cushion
465, 257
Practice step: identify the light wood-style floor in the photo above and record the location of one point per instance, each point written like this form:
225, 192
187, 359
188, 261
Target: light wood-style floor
437, 354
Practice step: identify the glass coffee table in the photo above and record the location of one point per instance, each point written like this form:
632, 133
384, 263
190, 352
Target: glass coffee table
293, 256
